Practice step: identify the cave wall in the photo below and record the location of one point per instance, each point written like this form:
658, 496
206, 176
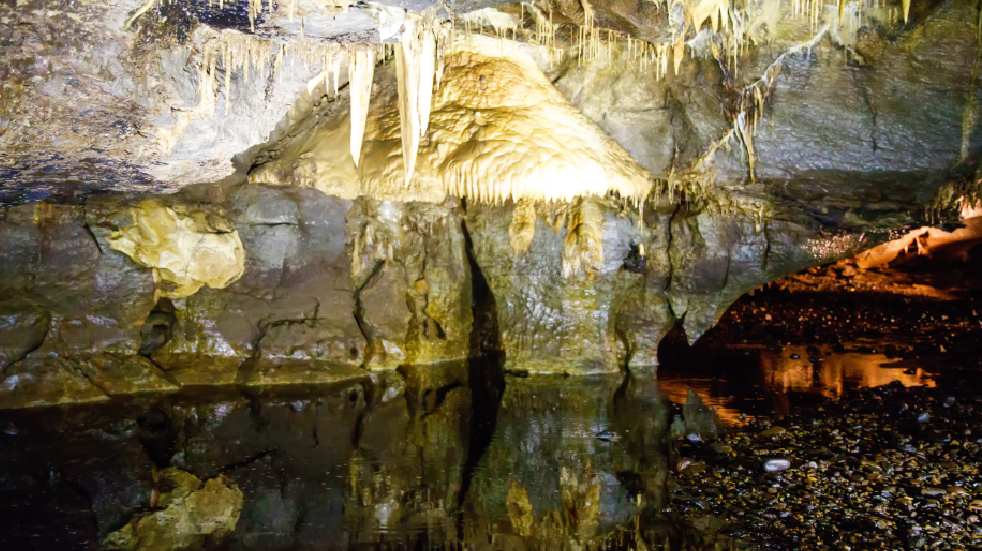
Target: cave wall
329, 288
124, 295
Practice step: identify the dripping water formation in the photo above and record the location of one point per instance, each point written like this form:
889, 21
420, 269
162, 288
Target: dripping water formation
673, 274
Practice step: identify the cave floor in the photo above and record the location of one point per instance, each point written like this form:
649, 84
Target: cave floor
804, 420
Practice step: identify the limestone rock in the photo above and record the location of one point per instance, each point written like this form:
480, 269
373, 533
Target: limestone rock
61, 286
497, 130
189, 517
569, 303
187, 248
40, 382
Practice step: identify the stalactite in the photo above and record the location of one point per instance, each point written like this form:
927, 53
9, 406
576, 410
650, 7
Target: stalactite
427, 73
415, 67
751, 105
678, 51
361, 71
335, 65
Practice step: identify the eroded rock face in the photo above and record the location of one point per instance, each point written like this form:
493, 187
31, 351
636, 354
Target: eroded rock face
331, 289
593, 287
561, 295
256, 286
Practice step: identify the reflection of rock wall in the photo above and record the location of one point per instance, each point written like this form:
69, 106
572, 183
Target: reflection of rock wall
347, 464
585, 452
409, 459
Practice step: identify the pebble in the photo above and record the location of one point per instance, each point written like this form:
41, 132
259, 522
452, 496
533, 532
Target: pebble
907, 485
606, 436
776, 465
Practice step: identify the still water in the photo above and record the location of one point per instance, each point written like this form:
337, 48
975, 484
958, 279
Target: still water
458, 456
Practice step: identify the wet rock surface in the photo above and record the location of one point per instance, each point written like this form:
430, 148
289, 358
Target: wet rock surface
246, 286
312, 288
259, 285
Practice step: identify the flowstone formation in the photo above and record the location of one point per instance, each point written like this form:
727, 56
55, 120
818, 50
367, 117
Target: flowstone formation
186, 249
562, 183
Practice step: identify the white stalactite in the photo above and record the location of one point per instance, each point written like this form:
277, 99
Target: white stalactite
427, 72
415, 68
361, 73
336, 74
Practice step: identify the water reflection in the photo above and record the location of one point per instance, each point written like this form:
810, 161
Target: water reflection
429, 457
743, 383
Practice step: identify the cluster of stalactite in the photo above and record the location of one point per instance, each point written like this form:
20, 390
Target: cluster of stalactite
425, 38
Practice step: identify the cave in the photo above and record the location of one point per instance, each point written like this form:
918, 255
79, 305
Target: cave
550, 274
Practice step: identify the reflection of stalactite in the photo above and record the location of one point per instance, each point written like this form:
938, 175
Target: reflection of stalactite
520, 512
581, 500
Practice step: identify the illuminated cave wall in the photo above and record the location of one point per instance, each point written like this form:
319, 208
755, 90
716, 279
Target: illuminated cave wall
368, 187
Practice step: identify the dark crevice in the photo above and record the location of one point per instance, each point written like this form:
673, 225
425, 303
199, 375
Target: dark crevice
726, 273
272, 224
248, 367
674, 347
485, 369
634, 261
766, 257
868, 102
158, 328
88, 230
668, 247
369, 395
485, 337
367, 331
